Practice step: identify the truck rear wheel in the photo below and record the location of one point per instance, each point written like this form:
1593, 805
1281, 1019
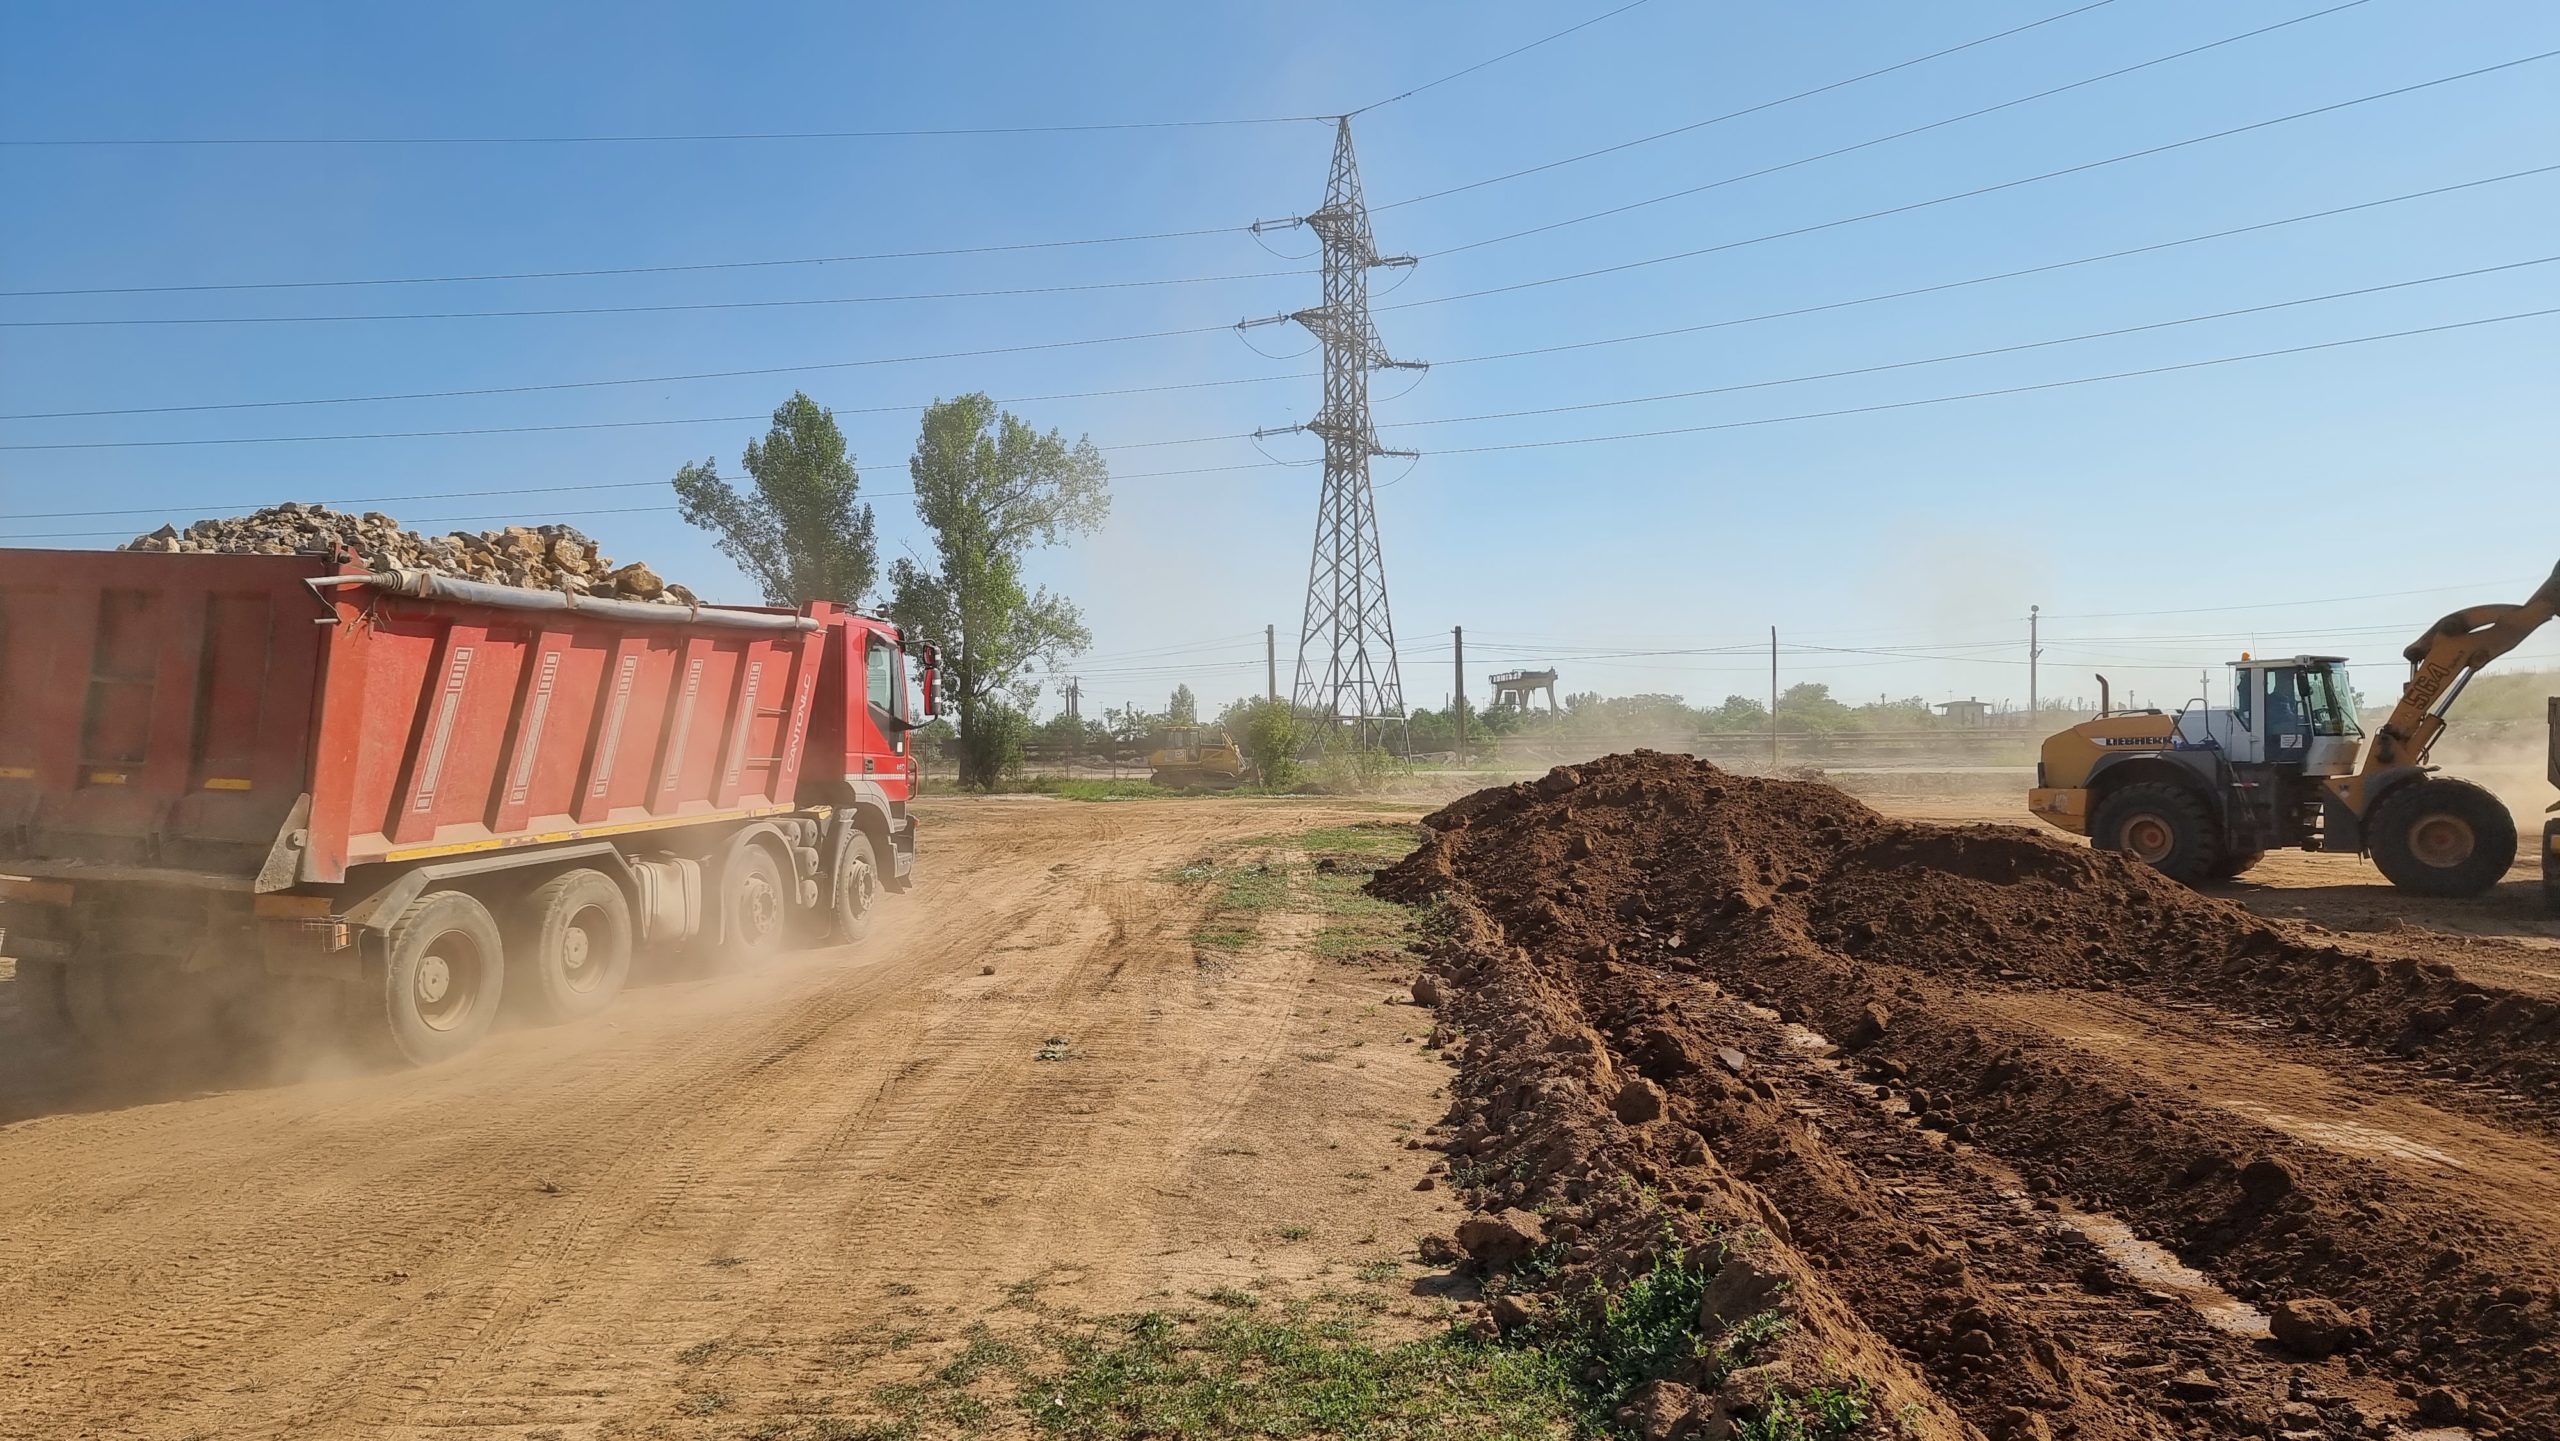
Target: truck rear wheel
578, 955
2161, 825
757, 905
2442, 837
447, 971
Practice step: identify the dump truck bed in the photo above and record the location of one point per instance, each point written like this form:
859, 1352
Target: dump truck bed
268, 721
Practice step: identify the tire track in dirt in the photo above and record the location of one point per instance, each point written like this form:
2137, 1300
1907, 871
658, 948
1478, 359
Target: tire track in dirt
1677, 917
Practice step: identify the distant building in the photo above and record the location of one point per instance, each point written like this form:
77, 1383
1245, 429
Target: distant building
1965, 712
1512, 688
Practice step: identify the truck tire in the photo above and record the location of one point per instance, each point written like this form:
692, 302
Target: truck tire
858, 890
2163, 826
755, 904
446, 975
577, 951
2442, 837
42, 996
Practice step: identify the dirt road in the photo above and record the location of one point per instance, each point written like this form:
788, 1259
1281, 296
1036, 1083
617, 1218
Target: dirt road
717, 1203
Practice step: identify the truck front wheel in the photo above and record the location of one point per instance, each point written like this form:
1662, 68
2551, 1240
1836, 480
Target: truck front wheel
2442, 837
2163, 826
857, 889
447, 970
578, 932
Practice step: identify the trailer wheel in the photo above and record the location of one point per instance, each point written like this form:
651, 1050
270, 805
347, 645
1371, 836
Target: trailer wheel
756, 903
42, 995
857, 889
578, 929
2163, 826
447, 971
2442, 837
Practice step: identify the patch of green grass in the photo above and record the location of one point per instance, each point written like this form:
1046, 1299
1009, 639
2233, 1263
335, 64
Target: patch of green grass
1369, 840
1823, 1413
1294, 1231
1385, 1268
1222, 1376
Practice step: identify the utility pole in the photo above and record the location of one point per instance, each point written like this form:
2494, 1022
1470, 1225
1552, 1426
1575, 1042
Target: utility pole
1458, 708
2035, 652
1355, 676
1271, 663
1773, 698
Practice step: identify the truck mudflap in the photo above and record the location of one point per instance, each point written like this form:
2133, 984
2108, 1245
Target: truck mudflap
902, 848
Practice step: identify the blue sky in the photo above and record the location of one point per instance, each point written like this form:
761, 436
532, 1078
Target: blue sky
2165, 522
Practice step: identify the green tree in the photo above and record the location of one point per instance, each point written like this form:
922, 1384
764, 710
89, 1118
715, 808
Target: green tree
1271, 735
991, 489
800, 535
1183, 709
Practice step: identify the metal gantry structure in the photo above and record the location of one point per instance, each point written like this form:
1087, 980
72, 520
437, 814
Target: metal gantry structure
1347, 668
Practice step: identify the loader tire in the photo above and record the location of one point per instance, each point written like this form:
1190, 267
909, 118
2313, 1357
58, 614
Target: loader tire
2236, 863
441, 987
577, 956
2163, 826
2442, 837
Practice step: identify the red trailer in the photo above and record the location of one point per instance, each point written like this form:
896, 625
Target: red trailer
234, 784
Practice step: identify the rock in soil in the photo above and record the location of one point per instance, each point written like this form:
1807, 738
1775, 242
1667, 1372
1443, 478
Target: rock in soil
544, 557
2312, 1327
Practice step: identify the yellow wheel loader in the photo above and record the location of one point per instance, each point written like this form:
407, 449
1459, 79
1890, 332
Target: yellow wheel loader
1191, 759
2203, 794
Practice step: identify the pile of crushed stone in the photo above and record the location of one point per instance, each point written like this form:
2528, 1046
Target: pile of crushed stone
543, 557
1616, 939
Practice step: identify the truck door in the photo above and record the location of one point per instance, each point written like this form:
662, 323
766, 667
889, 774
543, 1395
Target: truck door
885, 723
2285, 719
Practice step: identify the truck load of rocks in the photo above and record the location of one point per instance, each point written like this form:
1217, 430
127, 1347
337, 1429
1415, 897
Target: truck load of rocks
540, 557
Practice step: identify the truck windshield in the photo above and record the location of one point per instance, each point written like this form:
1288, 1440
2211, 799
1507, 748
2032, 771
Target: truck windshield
2328, 702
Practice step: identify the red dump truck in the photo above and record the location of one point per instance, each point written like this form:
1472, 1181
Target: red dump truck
243, 788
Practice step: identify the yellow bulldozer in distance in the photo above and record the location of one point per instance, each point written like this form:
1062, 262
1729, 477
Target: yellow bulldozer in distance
2203, 794
1193, 759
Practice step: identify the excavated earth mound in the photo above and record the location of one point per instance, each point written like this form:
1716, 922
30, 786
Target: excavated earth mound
1733, 1006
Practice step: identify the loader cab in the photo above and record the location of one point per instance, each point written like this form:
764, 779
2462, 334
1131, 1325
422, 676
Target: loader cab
2297, 714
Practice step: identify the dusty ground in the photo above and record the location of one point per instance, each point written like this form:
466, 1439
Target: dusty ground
735, 1205
737, 1202
1988, 1093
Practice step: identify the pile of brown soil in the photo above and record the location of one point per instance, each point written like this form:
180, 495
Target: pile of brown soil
1634, 922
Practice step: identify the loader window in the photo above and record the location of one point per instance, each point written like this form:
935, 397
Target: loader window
2329, 703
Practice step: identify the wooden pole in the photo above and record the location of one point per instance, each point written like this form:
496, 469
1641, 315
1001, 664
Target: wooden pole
1458, 639
1773, 697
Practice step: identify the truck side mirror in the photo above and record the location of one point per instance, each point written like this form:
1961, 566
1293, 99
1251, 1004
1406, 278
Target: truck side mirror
932, 681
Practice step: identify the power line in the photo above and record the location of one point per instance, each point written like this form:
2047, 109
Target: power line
2005, 390
1202, 330
705, 137
1498, 59
1855, 79
1976, 354
945, 251
1979, 190
1788, 419
666, 308
1437, 420
1903, 134
630, 269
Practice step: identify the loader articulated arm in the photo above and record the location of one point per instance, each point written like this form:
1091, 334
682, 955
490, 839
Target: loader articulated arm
2443, 661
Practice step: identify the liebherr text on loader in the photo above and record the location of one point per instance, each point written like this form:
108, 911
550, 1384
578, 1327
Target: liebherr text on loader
2203, 794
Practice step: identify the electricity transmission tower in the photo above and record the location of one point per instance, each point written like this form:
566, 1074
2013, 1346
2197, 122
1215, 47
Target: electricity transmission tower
1347, 642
